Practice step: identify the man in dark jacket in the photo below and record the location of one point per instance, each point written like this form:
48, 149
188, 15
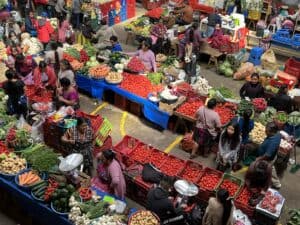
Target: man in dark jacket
282, 101
159, 201
212, 20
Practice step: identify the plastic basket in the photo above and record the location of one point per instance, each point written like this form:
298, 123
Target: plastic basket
191, 172
126, 145
141, 150
247, 209
173, 166
232, 179
206, 192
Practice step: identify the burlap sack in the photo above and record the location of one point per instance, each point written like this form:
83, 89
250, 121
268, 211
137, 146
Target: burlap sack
269, 61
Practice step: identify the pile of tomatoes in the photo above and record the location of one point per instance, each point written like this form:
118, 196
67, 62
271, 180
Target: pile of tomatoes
191, 172
38, 94
85, 193
172, 166
140, 154
190, 108
137, 84
83, 56
3, 148
209, 181
244, 196
230, 186
136, 65
157, 158
225, 112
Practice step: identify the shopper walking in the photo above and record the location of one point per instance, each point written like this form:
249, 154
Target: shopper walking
60, 10
207, 128
76, 13
44, 29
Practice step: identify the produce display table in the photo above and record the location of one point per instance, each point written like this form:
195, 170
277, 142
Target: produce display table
39, 212
151, 111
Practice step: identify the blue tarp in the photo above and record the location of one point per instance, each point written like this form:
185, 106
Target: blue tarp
150, 110
39, 211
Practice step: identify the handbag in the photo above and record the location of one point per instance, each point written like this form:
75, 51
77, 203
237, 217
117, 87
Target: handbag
151, 174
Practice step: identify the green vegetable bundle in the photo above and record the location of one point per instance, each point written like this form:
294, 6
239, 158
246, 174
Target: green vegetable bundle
22, 139
155, 78
93, 210
294, 217
73, 52
281, 117
90, 50
267, 116
244, 105
225, 92
41, 157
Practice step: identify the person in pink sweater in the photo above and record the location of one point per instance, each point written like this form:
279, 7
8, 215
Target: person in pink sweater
110, 176
146, 55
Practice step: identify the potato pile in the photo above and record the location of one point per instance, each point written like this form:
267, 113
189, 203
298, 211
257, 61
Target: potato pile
258, 134
114, 77
11, 164
144, 217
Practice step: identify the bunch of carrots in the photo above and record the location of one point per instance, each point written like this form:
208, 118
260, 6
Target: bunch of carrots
99, 72
28, 178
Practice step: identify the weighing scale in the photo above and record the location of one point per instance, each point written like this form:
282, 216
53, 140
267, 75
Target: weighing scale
70, 166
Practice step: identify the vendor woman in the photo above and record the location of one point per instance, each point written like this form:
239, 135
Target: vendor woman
67, 94
110, 176
146, 55
252, 89
81, 140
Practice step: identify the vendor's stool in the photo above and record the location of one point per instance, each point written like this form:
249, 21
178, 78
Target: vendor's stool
213, 60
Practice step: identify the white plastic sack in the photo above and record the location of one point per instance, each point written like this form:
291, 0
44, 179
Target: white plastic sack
239, 218
22, 124
37, 134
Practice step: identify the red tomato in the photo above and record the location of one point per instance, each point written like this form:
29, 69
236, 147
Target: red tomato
172, 166
231, 187
191, 173
209, 181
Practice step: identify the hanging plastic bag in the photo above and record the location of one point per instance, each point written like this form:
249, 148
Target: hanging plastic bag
22, 124
37, 134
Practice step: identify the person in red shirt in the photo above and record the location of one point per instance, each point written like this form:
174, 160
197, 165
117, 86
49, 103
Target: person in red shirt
44, 29
44, 76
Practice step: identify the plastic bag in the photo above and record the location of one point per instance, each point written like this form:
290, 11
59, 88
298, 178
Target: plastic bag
245, 70
239, 218
37, 134
187, 143
22, 124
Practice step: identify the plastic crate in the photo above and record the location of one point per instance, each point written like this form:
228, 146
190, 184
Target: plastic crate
292, 67
247, 209
191, 172
141, 149
232, 179
123, 16
106, 145
141, 190
282, 36
126, 145
173, 166
157, 158
204, 192
255, 55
